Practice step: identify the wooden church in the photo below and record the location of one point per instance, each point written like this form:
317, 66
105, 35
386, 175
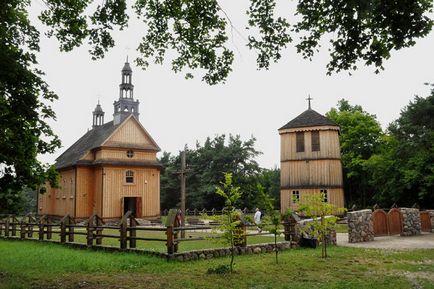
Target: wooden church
111, 169
310, 160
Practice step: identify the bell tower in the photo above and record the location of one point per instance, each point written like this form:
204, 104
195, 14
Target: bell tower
98, 116
126, 104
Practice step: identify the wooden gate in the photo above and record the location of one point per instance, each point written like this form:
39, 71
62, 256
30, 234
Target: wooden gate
394, 221
425, 222
379, 218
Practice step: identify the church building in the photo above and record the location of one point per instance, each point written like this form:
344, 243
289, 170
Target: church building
310, 160
111, 169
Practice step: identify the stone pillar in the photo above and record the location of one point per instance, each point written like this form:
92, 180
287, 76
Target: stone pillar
410, 222
431, 217
360, 226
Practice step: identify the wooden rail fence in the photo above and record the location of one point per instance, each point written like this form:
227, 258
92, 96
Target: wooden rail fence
95, 230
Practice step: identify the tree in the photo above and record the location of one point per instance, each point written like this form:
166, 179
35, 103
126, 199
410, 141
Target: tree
230, 220
206, 163
24, 108
403, 171
360, 138
196, 31
323, 221
273, 216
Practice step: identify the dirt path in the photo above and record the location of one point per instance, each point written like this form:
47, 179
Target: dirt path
424, 241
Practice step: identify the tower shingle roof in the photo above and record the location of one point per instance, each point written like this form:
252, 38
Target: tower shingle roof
309, 118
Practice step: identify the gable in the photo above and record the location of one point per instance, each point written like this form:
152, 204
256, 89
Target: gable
131, 134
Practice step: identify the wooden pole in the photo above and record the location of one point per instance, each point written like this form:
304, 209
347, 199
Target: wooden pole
183, 172
133, 225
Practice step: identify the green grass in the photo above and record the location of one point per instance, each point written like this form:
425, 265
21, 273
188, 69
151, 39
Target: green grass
25, 264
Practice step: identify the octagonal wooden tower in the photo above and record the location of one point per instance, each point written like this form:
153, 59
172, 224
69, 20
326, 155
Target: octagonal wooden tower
310, 160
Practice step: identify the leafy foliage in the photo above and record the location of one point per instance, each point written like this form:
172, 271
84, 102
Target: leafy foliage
24, 108
195, 32
323, 221
360, 138
230, 221
206, 163
403, 171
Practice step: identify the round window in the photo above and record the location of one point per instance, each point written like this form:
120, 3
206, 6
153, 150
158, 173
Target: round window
130, 153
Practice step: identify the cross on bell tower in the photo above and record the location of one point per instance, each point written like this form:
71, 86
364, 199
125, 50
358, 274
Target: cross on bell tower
308, 101
126, 104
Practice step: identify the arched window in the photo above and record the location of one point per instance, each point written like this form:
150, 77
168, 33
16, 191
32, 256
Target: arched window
129, 177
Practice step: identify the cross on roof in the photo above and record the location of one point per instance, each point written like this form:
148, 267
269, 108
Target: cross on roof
309, 99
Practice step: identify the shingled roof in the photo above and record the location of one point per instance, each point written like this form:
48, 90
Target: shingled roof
308, 118
92, 139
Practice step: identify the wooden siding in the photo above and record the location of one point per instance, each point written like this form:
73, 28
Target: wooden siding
98, 184
311, 173
130, 133
335, 196
121, 154
329, 146
85, 192
60, 201
146, 185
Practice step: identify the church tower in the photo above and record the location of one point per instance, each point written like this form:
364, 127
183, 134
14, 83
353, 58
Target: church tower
126, 104
310, 160
98, 116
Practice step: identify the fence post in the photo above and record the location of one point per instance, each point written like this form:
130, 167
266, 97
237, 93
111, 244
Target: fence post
1, 226
98, 222
70, 230
49, 229
63, 229
170, 243
41, 228
7, 227
30, 226
123, 230
133, 232
89, 229
22, 229
14, 227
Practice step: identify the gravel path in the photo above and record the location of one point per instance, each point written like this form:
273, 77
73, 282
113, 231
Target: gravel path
424, 241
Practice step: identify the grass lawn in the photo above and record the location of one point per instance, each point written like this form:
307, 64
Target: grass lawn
25, 264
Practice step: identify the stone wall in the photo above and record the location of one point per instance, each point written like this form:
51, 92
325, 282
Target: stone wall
410, 222
431, 216
221, 252
360, 226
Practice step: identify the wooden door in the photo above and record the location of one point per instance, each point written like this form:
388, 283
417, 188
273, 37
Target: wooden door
380, 223
425, 222
138, 207
394, 220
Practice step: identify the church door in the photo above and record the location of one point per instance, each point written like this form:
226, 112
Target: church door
133, 204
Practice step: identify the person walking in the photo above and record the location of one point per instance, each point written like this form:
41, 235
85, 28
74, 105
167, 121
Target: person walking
257, 219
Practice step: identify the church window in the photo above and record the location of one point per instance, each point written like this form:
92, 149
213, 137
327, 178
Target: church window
130, 153
300, 141
295, 196
326, 197
315, 141
129, 177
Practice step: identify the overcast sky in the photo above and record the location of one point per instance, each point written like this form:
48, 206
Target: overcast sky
176, 111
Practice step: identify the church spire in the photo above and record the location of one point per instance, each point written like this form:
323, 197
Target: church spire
98, 116
126, 104
308, 102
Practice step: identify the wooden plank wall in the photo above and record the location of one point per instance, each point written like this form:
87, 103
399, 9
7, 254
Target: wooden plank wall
311, 173
122, 155
85, 192
130, 131
335, 196
329, 146
146, 185
60, 201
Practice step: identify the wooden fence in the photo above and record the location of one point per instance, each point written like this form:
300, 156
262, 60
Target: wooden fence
95, 230
212, 212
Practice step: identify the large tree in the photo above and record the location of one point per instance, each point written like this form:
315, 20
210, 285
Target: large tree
403, 171
24, 109
360, 138
206, 165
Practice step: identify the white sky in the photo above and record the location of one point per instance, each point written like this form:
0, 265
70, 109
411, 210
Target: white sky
176, 111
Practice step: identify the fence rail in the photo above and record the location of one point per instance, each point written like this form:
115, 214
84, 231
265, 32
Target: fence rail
95, 230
